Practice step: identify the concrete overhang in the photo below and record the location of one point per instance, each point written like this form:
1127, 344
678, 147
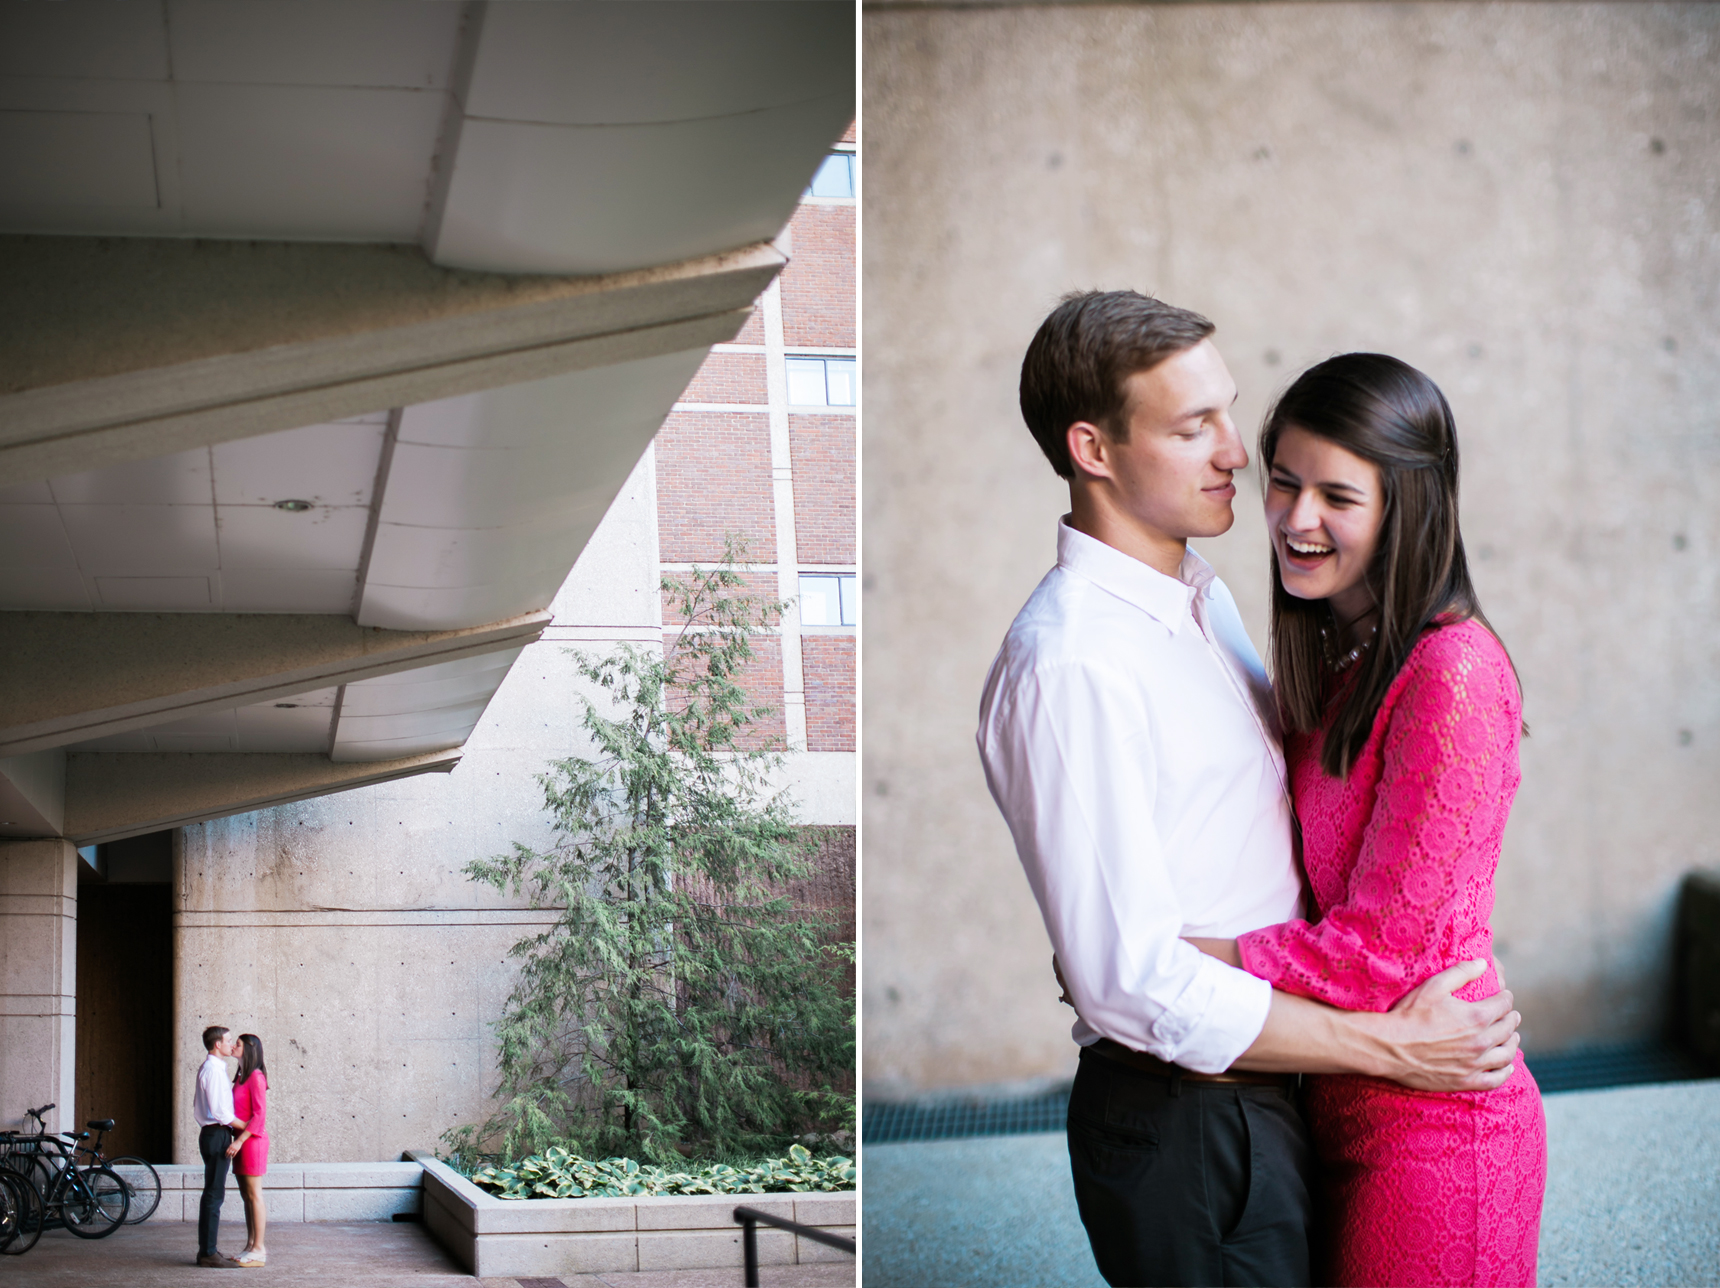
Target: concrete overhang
70, 677
120, 349
112, 796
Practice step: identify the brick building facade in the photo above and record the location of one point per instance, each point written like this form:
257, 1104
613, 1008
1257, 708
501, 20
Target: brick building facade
746, 452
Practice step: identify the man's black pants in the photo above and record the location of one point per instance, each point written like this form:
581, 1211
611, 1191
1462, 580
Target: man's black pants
1192, 1184
212, 1143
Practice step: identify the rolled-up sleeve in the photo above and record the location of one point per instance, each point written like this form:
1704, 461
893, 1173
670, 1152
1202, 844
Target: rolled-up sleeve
1069, 757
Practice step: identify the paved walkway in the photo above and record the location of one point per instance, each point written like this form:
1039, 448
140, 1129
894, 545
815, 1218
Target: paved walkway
366, 1254
1633, 1198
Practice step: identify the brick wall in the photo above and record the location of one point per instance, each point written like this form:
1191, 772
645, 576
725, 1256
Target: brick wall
822, 452
753, 331
828, 664
729, 378
713, 477
762, 682
818, 284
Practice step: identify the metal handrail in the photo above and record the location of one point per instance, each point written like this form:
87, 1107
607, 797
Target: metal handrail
749, 1217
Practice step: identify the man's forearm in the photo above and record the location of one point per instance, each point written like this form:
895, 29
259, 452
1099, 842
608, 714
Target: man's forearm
1429, 1040
1305, 1036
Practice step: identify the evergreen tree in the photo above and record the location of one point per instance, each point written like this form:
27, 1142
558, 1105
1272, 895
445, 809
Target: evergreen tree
680, 1002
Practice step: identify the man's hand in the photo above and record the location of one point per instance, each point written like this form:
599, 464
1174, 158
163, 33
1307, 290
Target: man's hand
1062, 983
1442, 1044
1429, 1040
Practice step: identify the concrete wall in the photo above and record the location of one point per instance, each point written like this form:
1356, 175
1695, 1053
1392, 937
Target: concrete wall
1519, 199
342, 931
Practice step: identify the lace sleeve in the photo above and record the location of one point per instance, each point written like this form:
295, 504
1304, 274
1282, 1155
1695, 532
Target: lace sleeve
1452, 727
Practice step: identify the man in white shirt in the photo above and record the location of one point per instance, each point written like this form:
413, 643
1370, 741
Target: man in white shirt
212, 1105
1128, 736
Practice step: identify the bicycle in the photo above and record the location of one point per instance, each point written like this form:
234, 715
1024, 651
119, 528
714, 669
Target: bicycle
91, 1202
142, 1181
20, 1214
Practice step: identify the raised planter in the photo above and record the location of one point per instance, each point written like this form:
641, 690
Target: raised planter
510, 1238
301, 1192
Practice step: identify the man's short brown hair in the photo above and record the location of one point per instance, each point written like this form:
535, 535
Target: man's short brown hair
1083, 352
211, 1035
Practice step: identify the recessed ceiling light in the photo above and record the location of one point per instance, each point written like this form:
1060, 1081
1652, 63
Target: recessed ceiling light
292, 507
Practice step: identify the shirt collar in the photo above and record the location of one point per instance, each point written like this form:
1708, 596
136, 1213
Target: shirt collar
1167, 599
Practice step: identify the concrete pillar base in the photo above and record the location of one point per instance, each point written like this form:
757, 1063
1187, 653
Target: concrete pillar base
38, 980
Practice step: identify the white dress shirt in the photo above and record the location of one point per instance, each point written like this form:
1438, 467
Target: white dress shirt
1127, 736
213, 1104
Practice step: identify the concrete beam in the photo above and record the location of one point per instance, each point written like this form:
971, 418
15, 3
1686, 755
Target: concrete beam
110, 796
117, 349
69, 677
32, 794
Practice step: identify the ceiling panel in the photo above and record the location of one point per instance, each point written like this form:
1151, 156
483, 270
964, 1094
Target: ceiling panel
437, 689
180, 479
324, 464
676, 60
403, 44
120, 39
35, 493
155, 594
79, 158
39, 570
323, 164
276, 591
141, 540
528, 197
262, 537
30, 207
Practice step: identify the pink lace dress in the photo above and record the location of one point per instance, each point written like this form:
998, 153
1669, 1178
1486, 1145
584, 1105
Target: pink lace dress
1419, 1187
251, 1107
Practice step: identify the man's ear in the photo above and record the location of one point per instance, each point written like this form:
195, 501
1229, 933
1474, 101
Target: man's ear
1089, 450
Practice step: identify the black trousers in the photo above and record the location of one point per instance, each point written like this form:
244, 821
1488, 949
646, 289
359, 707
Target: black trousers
212, 1143
1193, 1184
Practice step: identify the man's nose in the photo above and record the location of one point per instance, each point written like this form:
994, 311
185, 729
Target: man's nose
1231, 454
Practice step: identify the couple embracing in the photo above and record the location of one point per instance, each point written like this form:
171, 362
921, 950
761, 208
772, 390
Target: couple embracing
1157, 787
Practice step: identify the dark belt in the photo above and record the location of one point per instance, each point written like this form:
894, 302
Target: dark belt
1152, 1064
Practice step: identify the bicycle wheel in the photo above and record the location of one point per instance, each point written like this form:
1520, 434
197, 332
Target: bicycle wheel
23, 1219
143, 1183
93, 1201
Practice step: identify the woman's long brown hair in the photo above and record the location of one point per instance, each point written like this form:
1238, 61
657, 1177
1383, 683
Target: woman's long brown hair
250, 1058
1386, 412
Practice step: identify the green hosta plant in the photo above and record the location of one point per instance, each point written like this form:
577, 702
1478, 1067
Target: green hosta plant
679, 999
557, 1174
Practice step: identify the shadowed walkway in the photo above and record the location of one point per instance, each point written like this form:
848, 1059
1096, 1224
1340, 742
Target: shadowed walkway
365, 1254
1633, 1198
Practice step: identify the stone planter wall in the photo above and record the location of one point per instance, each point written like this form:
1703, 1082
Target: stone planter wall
300, 1192
496, 1238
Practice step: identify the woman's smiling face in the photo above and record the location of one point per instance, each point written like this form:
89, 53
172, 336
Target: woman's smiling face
1324, 510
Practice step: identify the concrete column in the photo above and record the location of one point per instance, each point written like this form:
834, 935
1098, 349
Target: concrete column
782, 483
38, 980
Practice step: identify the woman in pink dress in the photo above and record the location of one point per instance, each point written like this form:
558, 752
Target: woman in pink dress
1402, 716
250, 1148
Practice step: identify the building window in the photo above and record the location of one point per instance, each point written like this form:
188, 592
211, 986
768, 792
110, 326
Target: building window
835, 178
821, 382
828, 599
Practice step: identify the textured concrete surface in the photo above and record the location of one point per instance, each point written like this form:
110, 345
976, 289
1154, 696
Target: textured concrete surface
366, 1255
1520, 199
1633, 1186
38, 981
1633, 1198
